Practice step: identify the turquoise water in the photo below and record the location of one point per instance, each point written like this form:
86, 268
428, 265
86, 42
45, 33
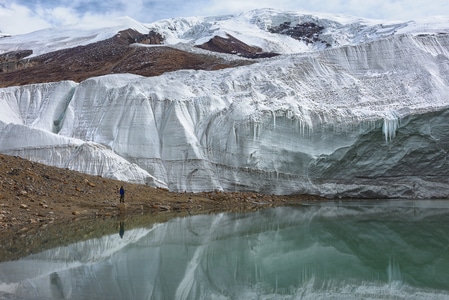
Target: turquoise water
334, 250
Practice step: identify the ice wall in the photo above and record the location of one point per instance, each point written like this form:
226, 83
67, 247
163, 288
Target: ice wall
365, 120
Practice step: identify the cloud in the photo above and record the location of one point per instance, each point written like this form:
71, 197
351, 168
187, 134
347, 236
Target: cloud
21, 16
16, 19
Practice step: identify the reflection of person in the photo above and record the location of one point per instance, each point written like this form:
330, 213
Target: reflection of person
122, 229
122, 194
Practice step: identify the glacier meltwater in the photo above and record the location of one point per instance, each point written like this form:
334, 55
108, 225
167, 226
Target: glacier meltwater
349, 250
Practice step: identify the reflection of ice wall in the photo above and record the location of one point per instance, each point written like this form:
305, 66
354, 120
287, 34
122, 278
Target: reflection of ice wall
312, 252
365, 119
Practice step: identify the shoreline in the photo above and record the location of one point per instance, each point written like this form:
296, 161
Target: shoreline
23, 239
39, 202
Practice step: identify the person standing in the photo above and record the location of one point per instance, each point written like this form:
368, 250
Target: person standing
122, 194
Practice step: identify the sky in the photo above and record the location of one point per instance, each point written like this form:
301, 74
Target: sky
23, 16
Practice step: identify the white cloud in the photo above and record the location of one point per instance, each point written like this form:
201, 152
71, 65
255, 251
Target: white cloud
21, 16
16, 19
58, 15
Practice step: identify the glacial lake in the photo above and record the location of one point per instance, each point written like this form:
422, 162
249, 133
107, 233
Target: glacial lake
330, 250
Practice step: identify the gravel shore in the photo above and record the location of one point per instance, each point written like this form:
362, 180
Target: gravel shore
37, 201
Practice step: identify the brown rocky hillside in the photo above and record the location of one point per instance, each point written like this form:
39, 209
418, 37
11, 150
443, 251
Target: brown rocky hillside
119, 54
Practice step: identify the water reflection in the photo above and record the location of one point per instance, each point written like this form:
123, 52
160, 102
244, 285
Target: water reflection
122, 228
350, 250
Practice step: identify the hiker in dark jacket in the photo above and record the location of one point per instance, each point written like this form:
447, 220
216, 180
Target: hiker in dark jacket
122, 194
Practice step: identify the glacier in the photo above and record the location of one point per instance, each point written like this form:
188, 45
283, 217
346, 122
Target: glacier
367, 118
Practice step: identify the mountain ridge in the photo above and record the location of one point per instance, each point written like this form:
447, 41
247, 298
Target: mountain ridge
260, 34
113, 55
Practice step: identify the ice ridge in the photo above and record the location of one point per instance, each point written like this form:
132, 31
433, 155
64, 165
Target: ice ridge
340, 122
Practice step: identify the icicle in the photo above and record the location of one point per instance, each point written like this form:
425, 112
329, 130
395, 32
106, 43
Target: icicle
234, 127
255, 132
390, 126
303, 128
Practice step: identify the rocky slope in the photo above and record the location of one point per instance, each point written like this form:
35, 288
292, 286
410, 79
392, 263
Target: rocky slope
119, 54
33, 193
35, 199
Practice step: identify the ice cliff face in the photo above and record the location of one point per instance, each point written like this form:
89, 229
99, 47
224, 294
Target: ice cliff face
368, 119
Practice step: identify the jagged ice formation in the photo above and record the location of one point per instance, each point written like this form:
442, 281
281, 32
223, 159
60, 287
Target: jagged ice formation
361, 120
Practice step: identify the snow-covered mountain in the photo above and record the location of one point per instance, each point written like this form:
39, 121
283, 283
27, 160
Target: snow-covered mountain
342, 107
